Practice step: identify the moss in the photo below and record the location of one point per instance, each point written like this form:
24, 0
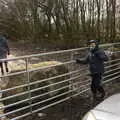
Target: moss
17, 66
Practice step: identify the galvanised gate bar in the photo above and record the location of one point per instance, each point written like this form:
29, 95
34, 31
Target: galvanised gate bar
36, 95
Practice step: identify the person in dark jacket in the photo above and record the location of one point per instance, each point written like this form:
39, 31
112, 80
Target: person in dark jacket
95, 58
4, 51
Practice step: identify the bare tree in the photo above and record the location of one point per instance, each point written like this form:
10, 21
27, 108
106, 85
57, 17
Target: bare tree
34, 19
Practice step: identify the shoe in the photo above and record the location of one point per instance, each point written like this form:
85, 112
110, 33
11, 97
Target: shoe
94, 97
102, 95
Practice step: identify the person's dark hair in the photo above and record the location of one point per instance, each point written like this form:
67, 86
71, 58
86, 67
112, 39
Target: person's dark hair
92, 41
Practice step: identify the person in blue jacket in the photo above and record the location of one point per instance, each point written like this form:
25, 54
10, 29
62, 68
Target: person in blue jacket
4, 51
95, 58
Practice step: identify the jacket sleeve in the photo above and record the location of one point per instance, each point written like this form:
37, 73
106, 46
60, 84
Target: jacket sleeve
101, 55
83, 60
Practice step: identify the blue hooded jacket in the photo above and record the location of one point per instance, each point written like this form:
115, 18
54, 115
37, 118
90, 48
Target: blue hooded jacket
4, 49
95, 59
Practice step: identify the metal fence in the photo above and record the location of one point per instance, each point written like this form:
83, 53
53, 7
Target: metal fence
39, 96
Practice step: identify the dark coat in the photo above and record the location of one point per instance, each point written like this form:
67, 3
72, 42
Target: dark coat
95, 59
4, 49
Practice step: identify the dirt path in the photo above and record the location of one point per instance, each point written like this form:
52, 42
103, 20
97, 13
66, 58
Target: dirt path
75, 108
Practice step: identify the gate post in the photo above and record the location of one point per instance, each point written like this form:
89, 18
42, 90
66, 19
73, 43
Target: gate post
28, 82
